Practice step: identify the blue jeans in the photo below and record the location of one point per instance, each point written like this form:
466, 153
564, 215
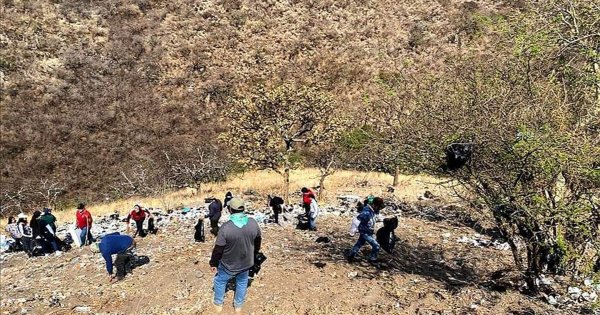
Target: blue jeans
366, 238
86, 236
312, 223
220, 284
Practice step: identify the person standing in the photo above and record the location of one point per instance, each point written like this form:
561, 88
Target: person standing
138, 214
214, 214
84, 223
366, 228
48, 229
276, 204
111, 244
236, 246
313, 213
27, 235
228, 197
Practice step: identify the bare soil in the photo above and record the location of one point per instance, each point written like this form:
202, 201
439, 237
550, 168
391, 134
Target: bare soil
430, 273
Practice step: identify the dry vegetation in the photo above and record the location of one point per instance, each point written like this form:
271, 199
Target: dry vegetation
92, 90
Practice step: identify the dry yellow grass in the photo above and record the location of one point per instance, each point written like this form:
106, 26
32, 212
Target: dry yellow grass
268, 182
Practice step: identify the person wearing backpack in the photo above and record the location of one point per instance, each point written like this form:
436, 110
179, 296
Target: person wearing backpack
366, 228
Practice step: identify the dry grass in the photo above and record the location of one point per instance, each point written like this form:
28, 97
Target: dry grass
262, 183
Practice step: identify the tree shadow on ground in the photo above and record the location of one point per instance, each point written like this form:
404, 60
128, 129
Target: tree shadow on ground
421, 260
455, 216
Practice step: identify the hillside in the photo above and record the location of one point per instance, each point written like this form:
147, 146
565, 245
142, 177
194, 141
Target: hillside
93, 91
441, 265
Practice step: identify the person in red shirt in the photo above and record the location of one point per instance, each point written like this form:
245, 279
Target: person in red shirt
84, 223
307, 195
138, 214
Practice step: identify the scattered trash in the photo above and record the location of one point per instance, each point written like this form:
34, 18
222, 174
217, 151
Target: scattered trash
479, 241
82, 309
319, 264
352, 274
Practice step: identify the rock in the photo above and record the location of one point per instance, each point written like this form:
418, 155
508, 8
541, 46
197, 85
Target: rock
551, 300
574, 292
428, 195
82, 309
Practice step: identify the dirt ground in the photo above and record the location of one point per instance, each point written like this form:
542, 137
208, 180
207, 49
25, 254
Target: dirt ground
430, 273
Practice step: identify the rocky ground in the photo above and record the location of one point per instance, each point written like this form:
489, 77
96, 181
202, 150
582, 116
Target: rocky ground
441, 266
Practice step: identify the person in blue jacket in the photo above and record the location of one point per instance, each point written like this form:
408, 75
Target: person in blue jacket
111, 244
366, 228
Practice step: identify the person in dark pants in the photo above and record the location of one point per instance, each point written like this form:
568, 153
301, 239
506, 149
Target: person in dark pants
276, 204
307, 194
138, 214
26, 236
112, 244
48, 229
214, 214
228, 197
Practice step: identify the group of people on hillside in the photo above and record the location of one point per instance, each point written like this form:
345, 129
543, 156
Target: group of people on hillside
237, 241
37, 236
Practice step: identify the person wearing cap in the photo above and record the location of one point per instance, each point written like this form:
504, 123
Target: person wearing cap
48, 229
366, 228
84, 223
214, 214
138, 214
115, 244
237, 243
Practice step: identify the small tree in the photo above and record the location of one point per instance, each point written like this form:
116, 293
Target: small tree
265, 128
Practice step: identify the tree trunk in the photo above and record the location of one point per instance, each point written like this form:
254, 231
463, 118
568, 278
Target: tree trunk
322, 184
396, 176
286, 185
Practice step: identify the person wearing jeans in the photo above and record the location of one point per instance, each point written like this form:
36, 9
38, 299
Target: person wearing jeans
237, 243
84, 223
241, 285
366, 228
313, 213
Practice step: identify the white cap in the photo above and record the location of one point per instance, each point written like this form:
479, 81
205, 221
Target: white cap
22, 216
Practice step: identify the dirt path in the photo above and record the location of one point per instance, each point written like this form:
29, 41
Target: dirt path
430, 274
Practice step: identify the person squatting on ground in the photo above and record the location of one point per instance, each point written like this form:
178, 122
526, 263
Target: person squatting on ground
112, 244
12, 229
138, 214
214, 214
366, 228
236, 246
84, 223
48, 229
313, 213
276, 204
